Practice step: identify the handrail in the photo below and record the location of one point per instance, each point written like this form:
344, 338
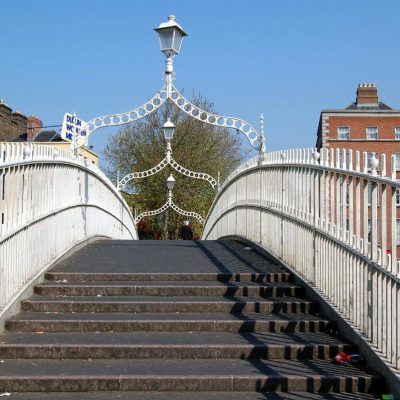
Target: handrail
49, 201
333, 218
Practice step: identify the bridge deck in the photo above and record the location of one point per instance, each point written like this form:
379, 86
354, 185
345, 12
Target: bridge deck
210, 319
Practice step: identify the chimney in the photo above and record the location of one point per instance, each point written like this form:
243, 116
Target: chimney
367, 94
33, 128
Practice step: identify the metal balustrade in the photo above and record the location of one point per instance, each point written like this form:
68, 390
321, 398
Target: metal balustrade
332, 217
50, 201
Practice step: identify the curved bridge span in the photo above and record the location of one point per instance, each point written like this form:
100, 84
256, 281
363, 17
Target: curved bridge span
331, 218
308, 268
50, 202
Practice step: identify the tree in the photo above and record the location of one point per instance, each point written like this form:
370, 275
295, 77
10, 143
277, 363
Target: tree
196, 146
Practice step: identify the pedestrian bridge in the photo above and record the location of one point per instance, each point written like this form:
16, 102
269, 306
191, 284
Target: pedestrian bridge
329, 218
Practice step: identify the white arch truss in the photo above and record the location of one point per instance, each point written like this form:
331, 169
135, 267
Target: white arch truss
166, 206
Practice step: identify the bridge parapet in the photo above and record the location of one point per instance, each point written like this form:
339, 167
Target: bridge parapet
332, 217
50, 202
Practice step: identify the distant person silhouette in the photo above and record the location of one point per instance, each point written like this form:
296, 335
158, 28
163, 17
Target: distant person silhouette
186, 232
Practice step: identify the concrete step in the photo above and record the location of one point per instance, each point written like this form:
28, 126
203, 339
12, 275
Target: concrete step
159, 304
193, 396
161, 288
185, 375
195, 345
178, 322
160, 276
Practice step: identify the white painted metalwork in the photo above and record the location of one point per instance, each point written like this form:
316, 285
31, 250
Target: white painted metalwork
332, 217
50, 201
167, 160
222, 121
129, 116
171, 36
169, 204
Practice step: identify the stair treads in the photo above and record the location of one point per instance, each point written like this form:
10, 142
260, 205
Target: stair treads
152, 288
169, 338
280, 276
199, 304
123, 322
193, 396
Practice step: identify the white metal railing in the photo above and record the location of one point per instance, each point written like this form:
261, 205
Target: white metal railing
331, 216
50, 201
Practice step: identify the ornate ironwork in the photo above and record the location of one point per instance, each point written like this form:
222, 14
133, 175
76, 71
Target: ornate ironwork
143, 174
160, 166
187, 213
169, 91
130, 116
169, 204
217, 120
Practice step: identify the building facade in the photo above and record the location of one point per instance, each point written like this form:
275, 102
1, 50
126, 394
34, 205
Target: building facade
370, 127
12, 124
16, 127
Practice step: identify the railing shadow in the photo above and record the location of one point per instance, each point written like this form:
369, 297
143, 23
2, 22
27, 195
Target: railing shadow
301, 365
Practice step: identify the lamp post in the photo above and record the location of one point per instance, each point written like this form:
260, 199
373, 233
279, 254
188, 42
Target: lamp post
169, 204
170, 186
169, 129
171, 36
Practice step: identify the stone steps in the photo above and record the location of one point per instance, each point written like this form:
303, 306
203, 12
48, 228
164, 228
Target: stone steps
172, 322
159, 276
185, 375
175, 320
161, 288
193, 396
197, 345
171, 304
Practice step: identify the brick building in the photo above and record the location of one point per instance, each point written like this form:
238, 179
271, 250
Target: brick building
12, 124
16, 127
367, 125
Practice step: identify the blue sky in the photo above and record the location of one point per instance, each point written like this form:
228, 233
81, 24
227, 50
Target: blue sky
287, 59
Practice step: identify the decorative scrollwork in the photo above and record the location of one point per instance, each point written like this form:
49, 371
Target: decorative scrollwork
160, 166
143, 174
169, 204
130, 116
193, 174
187, 213
218, 120
153, 212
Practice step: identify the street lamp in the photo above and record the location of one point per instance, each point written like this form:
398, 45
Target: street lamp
169, 204
169, 129
170, 182
171, 36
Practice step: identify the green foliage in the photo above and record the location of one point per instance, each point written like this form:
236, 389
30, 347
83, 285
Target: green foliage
196, 146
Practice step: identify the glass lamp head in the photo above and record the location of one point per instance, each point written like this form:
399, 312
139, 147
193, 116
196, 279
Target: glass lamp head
171, 36
170, 182
169, 129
